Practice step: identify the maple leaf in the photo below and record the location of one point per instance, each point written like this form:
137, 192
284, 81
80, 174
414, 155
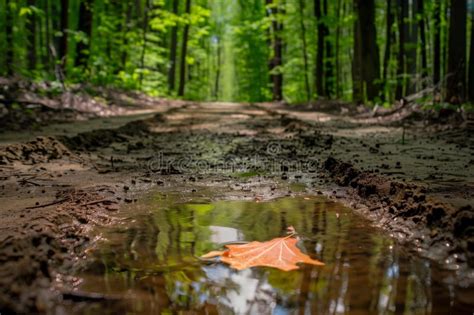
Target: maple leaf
280, 253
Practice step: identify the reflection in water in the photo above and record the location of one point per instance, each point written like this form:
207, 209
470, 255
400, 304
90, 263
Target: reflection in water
150, 266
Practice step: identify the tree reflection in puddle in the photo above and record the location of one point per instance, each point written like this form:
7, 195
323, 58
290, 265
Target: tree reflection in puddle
150, 264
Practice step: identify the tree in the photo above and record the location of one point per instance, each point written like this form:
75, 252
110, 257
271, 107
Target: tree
31, 28
402, 32
184, 50
328, 71
388, 42
173, 50
85, 27
338, 46
145, 27
366, 50
421, 27
471, 63
10, 45
411, 49
301, 8
357, 76
319, 74
62, 51
437, 42
456, 79
276, 75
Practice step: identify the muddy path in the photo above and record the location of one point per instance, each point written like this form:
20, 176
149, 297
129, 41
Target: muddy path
58, 184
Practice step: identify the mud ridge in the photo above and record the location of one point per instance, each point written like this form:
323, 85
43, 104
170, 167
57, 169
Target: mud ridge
40, 150
51, 239
407, 210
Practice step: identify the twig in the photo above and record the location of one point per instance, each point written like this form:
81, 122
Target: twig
48, 204
95, 202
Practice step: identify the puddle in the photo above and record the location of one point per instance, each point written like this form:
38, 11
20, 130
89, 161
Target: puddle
149, 264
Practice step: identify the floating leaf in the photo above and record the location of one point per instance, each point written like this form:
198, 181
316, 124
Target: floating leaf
281, 253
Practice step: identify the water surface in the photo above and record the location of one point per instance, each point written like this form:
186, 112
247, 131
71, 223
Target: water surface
149, 264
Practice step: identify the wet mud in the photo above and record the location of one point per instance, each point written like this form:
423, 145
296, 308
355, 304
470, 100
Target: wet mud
55, 190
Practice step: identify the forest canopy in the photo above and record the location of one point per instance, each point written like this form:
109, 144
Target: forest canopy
366, 51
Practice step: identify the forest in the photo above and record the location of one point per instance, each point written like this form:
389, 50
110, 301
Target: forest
293, 50
236, 157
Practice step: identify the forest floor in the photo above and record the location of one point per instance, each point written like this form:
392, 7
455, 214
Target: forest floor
60, 180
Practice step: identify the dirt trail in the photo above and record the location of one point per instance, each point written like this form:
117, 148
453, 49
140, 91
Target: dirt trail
55, 189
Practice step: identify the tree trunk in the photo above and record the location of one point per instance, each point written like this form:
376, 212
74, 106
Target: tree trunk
47, 13
424, 58
173, 51
471, 63
278, 77
369, 53
388, 44
329, 71
305, 49
357, 78
411, 50
144, 39
402, 16
62, 51
276, 43
9, 60
31, 27
320, 51
338, 40
184, 50
124, 29
437, 42
85, 26
456, 80
218, 71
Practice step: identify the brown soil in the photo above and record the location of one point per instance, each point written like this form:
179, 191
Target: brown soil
414, 181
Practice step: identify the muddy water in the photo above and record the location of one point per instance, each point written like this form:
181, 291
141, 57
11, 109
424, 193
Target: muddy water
149, 264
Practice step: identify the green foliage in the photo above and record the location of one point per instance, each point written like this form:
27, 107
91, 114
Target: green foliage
229, 47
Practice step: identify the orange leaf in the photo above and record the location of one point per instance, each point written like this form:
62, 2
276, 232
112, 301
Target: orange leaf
213, 254
280, 253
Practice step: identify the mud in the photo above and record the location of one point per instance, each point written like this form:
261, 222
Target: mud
41, 150
56, 189
407, 209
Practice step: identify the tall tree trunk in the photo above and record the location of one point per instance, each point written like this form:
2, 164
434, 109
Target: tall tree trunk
424, 58
368, 47
411, 49
85, 26
402, 32
437, 42
456, 80
125, 27
144, 39
328, 71
319, 73
338, 45
471, 63
388, 44
62, 51
47, 13
218, 71
444, 41
305, 49
173, 51
31, 27
184, 51
276, 43
357, 77
9, 60
278, 77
